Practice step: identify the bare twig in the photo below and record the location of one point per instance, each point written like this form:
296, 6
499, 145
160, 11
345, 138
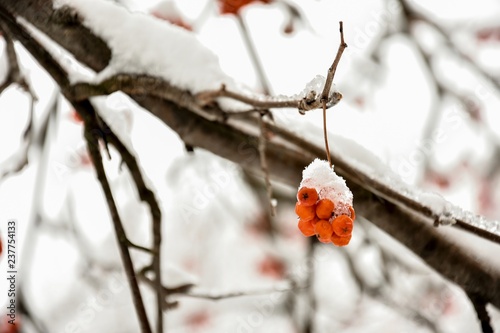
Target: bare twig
253, 55
325, 95
311, 311
148, 196
479, 304
227, 295
263, 165
311, 102
93, 147
19, 160
185, 290
325, 134
139, 247
377, 293
14, 74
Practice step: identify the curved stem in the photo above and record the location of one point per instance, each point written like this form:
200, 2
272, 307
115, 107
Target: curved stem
325, 134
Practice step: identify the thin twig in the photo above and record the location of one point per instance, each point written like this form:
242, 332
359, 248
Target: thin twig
325, 134
140, 247
309, 325
185, 290
264, 166
325, 95
253, 55
32, 232
223, 296
14, 74
148, 196
93, 147
19, 160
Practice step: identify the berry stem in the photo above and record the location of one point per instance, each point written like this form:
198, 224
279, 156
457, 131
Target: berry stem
325, 134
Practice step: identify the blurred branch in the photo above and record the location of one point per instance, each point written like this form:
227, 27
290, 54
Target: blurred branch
149, 197
213, 296
257, 64
413, 15
14, 74
185, 290
378, 292
19, 160
263, 165
311, 311
479, 304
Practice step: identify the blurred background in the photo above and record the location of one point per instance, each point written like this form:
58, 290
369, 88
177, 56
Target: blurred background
421, 87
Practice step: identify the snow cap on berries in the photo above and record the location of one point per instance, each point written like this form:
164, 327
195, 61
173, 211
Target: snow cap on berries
329, 185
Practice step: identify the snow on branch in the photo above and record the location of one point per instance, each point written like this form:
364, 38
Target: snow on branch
142, 44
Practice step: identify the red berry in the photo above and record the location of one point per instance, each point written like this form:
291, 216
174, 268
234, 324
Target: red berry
340, 241
342, 226
306, 227
307, 196
324, 209
323, 230
306, 213
353, 213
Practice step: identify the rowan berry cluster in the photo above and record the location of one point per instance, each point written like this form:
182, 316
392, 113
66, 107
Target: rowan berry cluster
324, 205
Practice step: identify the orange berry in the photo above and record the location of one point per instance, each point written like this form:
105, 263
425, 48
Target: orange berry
324, 209
307, 196
340, 241
306, 213
353, 213
306, 227
323, 230
342, 225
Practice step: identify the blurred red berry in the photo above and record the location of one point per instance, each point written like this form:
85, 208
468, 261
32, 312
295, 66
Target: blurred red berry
7, 327
234, 6
198, 319
272, 267
76, 117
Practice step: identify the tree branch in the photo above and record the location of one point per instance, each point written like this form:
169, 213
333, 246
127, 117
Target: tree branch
479, 304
